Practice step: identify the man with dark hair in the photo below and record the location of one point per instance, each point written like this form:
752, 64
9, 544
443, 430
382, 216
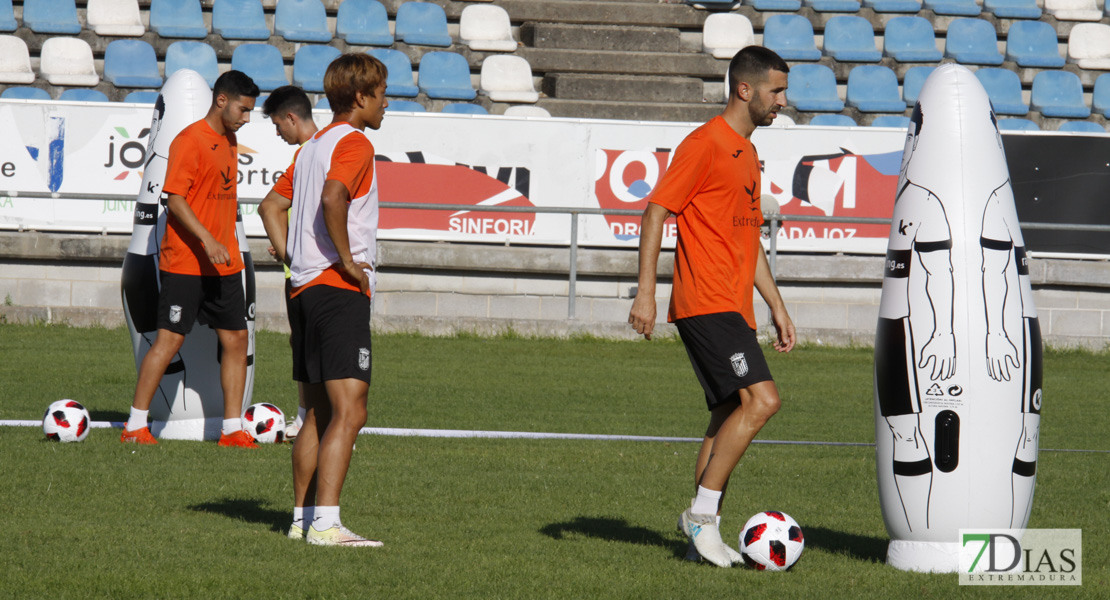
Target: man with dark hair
712, 186
200, 260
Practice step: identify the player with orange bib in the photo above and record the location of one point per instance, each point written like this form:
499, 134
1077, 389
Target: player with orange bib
712, 186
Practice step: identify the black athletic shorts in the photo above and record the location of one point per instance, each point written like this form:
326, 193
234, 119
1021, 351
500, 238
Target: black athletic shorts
725, 355
330, 334
214, 300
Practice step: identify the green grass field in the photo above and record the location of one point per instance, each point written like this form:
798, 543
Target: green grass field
483, 518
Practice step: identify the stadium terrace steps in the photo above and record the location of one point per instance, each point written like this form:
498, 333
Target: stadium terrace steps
601, 37
631, 111
588, 86
561, 60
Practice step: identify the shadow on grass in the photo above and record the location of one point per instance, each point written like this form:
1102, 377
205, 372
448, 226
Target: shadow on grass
246, 509
112, 416
857, 547
616, 530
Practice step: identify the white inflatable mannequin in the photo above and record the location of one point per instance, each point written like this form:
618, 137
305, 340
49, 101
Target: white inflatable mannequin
189, 400
958, 346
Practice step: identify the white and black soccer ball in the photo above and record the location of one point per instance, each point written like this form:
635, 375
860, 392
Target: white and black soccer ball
771, 541
66, 421
265, 422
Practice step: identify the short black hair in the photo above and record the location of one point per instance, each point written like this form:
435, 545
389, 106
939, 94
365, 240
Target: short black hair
234, 84
288, 99
751, 64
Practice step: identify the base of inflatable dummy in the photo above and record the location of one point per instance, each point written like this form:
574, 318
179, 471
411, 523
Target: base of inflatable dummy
188, 429
924, 557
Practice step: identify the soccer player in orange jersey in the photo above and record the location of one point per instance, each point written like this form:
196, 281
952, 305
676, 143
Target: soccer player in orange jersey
200, 260
712, 186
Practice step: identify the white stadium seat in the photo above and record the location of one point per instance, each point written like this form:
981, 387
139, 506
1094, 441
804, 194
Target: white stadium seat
507, 78
15, 61
724, 34
68, 61
1073, 10
486, 28
526, 111
1089, 46
115, 18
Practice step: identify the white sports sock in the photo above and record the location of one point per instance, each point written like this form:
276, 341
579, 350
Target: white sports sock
300, 416
325, 517
706, 501
137, 420
298, 516
232, 425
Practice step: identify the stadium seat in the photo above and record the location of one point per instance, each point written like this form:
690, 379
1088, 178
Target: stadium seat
724, 34
893, 6
15, 61
840, 6
51, 16
68, 61
309, 65
25, 93
422, 24
177, 19
972, 42
363, 23
911, 39
833, 121
83, 95
400, 79
131, 63
197, 56
1089, 46
142, 97
7, 16
1073, 10
462, 108
322, 103
504, 78
445, 75
912, 81
1013, 9
405, 106
302, 21
959, 8
791, 36
1059, 94
898, 121
239, 20
1017, 125
775, 5
812, 88
851, 39
1033, 44
263, 63
1081, 127
874, 88
526, 110
486, 28
1100, 99
115, 18
1004, 90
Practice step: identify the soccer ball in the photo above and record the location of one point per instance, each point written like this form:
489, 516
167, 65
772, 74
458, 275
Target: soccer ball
66, 421
771, 541
265, 422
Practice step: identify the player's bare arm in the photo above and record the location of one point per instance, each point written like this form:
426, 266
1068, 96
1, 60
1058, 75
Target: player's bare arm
217, 252
765, 283
642, 315
274, 211
334, 201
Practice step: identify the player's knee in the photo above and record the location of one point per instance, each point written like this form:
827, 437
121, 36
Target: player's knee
352, 414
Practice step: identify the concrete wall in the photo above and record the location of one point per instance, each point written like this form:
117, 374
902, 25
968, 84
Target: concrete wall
439, 288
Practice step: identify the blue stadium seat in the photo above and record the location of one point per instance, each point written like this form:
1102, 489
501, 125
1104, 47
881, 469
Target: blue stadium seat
131, 63
462, 108
1004, 90
833, 121
851, 39
322, 103
445, 75
775, 5
83, 95
422, 24
309, 64
197, 56
301, 21
912, 81
898, 121
177, 19
142, 97
911, 39
841, 6
7, 16
364, 23
1033, 44
960, 8
400, 80
972, 42
1082, 127
51, 16
263, 63
1013, 9
1017, 125
812, 88
874, 88
791, 36
404, 106
1059, 94
1100, 99
893, 6
239, 20
19, 92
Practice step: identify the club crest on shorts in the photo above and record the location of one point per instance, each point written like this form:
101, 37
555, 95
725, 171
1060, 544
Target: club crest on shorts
175, 314
364, 359
739, 364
